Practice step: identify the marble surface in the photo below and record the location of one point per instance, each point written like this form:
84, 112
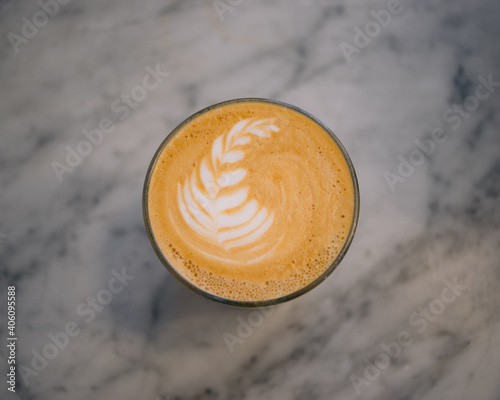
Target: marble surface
65, 239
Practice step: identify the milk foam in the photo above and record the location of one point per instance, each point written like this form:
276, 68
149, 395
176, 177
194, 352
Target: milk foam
251, 201
215, 204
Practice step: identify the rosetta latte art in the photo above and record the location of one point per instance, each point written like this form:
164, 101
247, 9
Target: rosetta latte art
215, 204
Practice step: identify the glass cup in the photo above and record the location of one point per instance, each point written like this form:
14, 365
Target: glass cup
260, 303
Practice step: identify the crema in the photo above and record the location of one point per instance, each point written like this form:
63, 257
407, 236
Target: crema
251, 200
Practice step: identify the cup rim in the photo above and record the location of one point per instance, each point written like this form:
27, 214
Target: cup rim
259, 303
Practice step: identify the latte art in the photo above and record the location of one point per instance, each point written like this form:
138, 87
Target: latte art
250, 201
215, 204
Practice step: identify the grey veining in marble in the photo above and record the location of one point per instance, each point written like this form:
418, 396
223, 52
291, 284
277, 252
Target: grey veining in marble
424, 265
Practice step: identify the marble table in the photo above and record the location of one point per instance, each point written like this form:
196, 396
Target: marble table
411, 89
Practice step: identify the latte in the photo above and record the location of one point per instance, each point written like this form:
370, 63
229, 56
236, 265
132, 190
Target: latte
250, 201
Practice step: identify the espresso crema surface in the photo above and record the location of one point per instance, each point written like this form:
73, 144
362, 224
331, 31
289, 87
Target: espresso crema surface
251, 201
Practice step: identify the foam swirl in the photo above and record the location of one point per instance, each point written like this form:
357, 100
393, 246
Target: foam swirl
215, 204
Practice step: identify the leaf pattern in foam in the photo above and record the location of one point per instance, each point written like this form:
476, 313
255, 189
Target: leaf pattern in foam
208, 200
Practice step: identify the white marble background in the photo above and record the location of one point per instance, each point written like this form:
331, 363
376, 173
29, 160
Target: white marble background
60, 241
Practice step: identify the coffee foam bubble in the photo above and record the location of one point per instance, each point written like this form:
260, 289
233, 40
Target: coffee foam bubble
251, 201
